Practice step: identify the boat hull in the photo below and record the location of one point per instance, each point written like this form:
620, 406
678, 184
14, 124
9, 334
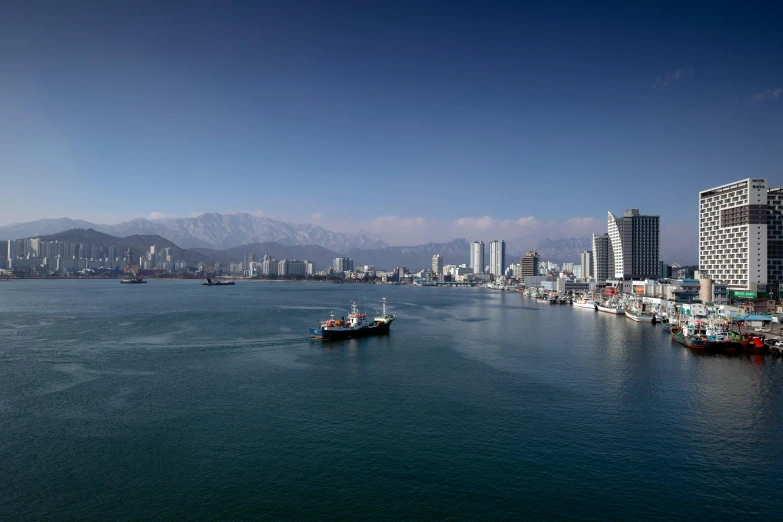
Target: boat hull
613, 311
639, 318
329, 335
693, 344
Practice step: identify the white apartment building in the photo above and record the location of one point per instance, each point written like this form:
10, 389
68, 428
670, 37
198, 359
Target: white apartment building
477, 257
437, 264
497, 257
733, 234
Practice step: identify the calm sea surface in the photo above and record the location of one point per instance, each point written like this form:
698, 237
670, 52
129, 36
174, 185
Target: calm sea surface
176, 401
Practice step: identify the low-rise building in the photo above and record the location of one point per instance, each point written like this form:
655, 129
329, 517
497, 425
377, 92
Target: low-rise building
757, 306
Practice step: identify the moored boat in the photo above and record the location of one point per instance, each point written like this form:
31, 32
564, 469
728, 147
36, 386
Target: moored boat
585, 303
694, 343
611, 308
637, 316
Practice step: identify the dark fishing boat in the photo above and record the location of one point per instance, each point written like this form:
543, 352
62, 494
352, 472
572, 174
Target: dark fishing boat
210, 282
693, 343
357, 325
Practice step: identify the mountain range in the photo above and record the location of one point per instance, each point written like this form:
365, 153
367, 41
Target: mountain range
224, 236
210, 230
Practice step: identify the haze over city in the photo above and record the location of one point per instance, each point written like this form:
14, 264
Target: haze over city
408, 122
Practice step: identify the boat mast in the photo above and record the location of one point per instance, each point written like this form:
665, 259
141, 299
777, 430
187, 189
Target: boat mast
384, 307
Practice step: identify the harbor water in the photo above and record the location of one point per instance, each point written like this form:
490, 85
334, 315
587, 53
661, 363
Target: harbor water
172, 400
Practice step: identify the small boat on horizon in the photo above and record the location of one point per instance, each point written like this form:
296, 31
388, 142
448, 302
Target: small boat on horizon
210, 282
133, 281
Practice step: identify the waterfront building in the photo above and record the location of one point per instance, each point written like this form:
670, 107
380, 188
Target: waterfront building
775, 241
269, 266
437, 264
12, 253
603, 258
342, 264
528, 265
586, 259
635, 244
290, 267
664, 270
733, 234
250, 257
477, 257
497, 257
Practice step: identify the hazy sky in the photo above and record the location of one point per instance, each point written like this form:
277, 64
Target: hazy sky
408, 119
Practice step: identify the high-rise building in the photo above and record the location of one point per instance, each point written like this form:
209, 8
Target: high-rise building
635, 245
665, 270
775, 240
733, 234
586, 260
342, 264
603, 258
250, 257
528, 265
497, 257
477, 257
269, 266
33, 247
290, 267
11, 253
437, 264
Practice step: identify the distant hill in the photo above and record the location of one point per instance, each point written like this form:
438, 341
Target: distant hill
41, 227
320, 256
138, 243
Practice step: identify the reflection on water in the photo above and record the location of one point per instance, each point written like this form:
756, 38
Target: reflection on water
479, 404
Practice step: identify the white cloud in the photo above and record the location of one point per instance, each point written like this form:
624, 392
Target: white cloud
316, 217
156, 215
769, 94
416, 230
667, 78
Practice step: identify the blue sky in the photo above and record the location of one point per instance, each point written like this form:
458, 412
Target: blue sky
420, 119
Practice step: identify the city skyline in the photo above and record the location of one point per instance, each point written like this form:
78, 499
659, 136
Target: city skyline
114, 114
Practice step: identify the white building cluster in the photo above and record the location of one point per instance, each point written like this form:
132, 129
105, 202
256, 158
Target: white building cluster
741, 236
